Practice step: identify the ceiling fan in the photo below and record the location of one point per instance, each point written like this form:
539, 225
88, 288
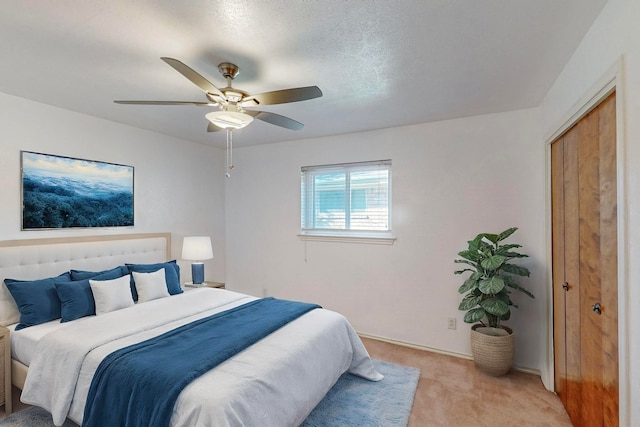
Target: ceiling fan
231, 102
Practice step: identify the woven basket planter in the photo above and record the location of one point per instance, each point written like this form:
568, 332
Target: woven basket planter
492, 349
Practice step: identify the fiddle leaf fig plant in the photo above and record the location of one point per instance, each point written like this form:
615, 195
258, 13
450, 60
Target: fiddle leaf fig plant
487, 289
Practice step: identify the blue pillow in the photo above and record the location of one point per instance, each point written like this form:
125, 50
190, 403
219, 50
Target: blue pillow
37, 300
171, 274
76, 298
83, 274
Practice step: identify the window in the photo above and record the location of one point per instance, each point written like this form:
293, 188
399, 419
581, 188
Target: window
352, 199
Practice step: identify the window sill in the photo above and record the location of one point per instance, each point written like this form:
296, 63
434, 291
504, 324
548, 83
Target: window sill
368, 238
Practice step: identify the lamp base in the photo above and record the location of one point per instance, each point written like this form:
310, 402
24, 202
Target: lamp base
197, 273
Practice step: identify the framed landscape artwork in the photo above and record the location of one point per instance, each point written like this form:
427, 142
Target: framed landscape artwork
63, 192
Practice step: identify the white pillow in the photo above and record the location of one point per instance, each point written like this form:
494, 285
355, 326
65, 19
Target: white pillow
150, 286
9, 313
111, 295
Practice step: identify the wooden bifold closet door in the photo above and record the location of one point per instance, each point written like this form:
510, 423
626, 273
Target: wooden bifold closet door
585, 260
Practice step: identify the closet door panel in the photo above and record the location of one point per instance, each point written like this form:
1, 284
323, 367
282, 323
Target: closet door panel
590, 272
609, 261
572, 275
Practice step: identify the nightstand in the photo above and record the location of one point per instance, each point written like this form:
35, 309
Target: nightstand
205, 284
5, 369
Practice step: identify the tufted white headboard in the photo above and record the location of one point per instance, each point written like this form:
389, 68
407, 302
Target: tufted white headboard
39, 258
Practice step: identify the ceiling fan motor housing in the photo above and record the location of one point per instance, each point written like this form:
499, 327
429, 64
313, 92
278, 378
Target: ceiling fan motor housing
228, 70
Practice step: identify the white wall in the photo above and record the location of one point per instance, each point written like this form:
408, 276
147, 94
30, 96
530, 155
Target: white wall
451, 181
613, 35
179, 185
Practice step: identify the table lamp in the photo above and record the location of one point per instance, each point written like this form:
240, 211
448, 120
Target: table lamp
197, 248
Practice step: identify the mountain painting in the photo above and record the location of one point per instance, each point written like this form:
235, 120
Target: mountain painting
63, 192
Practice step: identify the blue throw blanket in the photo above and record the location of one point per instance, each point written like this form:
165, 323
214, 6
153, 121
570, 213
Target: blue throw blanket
139, 385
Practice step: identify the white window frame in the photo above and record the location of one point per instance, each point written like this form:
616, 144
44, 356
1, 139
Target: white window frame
342, 235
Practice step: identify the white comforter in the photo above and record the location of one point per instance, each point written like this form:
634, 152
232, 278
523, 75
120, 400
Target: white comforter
275, 382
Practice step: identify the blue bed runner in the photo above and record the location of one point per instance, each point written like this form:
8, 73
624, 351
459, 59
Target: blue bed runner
138, 385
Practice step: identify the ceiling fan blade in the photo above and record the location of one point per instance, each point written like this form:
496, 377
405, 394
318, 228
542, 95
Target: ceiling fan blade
201, 104
194, 76
212, 128
276, 119
284, 96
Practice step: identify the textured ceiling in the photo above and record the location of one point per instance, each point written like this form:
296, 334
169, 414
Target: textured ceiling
379, 63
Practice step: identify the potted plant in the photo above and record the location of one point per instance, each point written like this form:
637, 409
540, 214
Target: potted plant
487, 298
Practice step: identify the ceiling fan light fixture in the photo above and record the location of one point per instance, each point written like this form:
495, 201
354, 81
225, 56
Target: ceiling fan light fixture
229, 119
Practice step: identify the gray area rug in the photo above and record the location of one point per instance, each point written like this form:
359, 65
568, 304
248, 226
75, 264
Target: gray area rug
353, 401
357, 402
32, 417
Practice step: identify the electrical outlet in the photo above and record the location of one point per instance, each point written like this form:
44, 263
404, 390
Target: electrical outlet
452, 322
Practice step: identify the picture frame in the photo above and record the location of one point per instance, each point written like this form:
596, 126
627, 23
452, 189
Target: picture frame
67, 192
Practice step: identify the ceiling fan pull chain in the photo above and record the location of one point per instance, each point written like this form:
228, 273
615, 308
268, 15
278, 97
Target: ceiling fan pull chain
229, 153
231, 149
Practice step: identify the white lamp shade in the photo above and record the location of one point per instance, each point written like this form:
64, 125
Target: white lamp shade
197, 248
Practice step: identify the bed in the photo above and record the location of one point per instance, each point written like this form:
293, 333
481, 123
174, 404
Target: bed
276, 381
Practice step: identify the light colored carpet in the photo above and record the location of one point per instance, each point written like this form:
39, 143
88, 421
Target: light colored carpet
353, 401
453, 393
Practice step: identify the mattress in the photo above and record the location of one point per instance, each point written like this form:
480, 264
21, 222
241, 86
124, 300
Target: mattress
25, 341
